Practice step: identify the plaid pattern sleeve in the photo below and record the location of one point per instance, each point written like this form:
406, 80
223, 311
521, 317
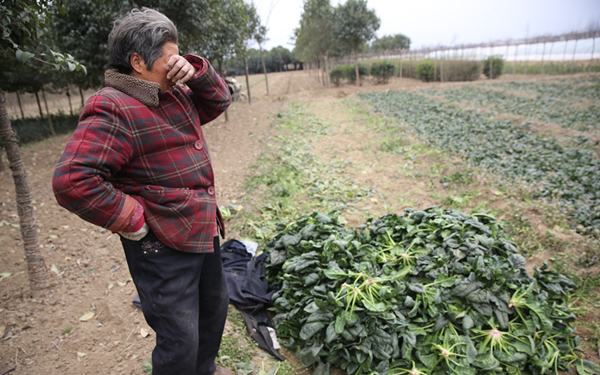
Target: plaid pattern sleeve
210, 93
126, 152
97, 150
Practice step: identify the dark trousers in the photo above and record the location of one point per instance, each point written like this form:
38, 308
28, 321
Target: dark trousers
184, 299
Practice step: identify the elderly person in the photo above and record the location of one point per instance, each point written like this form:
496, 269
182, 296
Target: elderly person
138, 165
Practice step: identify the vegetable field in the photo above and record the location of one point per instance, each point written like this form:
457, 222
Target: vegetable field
567, 173
369, 285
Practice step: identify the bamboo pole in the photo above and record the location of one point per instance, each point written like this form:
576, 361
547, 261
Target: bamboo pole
435, 67
491, 59
573, 59
592, 58
550, 53
442, 68
515, 64
543, 52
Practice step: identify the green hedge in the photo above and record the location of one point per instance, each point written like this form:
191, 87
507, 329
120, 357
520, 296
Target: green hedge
426, 71
336, 75
551, 67
383, 70
347, 72
496, 64
454, 70
36, 129
350, 72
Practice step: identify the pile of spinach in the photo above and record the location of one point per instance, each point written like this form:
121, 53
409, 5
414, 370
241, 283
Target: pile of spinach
428, 292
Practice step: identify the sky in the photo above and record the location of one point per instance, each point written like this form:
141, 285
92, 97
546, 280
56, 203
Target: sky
448, 22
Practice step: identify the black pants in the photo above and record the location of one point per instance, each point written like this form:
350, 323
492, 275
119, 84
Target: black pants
184, 299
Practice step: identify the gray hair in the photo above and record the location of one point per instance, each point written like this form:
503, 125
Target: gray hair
143, 31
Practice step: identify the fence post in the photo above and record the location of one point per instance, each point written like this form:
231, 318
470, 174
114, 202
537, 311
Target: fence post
515, 63
491, 59
573, 59
565, 54
442, 67
543, 52
592, 58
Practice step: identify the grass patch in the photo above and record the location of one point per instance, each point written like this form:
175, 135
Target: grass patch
291, 180
236, 346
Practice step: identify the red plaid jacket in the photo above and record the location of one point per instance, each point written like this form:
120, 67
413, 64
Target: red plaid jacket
134, 143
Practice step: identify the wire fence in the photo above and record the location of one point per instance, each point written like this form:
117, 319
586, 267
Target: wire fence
575, 48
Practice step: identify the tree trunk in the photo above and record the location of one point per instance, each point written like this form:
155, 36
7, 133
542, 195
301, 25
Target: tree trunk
317, 73
262, 59
400, 72
48, 113
247, 80
356, 67
81, 96
69, 97
38, 275
573, 60
37, 98
21, 105
327, 69
221, 75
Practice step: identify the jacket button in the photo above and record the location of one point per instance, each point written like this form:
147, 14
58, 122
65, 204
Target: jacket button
198, 145
211, 190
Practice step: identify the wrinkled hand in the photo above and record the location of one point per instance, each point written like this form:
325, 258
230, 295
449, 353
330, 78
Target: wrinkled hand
136, 236
179, 69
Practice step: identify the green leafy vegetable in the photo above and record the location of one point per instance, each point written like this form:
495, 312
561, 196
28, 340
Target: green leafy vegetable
432, 291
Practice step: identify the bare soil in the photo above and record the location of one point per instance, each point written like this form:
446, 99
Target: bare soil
45, 335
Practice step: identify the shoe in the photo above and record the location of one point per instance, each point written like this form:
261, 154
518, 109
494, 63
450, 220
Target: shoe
223, 371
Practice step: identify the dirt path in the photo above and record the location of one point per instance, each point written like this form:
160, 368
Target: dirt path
86, 263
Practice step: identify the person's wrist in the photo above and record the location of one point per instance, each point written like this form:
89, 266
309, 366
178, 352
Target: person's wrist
137, 221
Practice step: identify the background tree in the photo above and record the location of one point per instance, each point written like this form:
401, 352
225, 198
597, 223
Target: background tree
314, 37
260, 36
19, 23
252, 25
390, 43
82, 27
353, 26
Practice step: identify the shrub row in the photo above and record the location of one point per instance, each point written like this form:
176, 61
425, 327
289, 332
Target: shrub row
425, 70
37, 129
380, 70
452, 70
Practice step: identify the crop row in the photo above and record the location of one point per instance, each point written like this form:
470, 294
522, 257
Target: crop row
542, 108
575, 91
569, 175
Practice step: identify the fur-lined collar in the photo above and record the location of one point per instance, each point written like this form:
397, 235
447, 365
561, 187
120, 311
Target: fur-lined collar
145, 91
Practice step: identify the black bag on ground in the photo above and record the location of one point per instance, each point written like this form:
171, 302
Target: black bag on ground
249, 292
